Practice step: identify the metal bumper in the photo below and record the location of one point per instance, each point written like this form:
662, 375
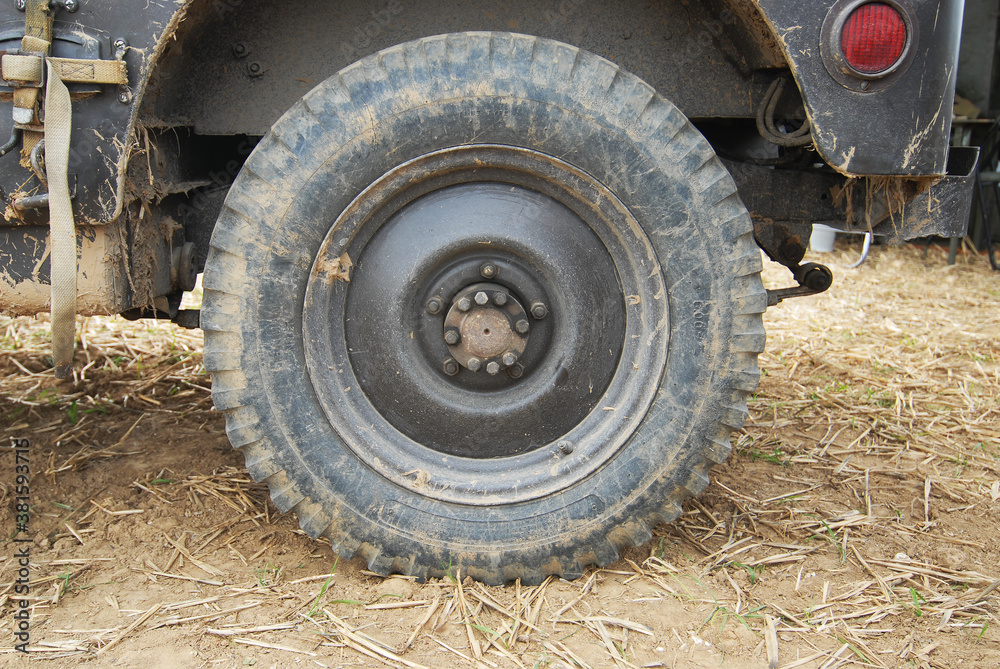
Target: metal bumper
942, 209
899, 208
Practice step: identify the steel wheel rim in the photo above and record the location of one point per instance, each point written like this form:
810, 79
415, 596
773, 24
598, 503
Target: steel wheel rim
566, 457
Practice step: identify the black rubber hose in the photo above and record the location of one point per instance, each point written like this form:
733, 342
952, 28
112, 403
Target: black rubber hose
15, 137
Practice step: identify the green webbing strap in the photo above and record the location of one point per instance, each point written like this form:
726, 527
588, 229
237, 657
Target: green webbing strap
62, 230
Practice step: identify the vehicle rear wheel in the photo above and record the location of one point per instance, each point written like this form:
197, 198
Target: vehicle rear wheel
483, 301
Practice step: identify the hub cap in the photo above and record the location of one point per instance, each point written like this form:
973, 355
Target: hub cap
490, 332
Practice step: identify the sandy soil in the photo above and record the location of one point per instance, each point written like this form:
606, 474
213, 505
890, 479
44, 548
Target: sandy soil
855, 524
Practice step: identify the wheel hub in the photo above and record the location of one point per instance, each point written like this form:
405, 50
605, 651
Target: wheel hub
486, 329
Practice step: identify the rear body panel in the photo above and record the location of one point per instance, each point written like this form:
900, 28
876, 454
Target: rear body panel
152, 161
899, 129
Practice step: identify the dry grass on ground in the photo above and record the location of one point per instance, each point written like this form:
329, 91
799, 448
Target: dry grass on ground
856, 523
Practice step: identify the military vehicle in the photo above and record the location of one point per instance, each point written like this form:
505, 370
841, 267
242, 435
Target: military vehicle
481, 280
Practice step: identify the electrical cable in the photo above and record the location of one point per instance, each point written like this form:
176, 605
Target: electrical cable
802, 136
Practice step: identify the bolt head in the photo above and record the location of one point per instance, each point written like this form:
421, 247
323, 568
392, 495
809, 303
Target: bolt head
474, 364
522, 326
452, 337
499, 299
509, 359
71, 5
482, 298
464, 304
539, 310
516, 371
19, 5
565, 446
488, 270
492, 368
434, 306
450, 367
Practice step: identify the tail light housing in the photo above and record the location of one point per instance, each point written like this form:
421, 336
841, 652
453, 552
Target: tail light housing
866, 42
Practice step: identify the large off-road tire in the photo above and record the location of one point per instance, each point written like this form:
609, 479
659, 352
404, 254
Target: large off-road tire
577, 234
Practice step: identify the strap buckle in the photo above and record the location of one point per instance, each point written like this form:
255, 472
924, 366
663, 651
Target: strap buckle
21, 69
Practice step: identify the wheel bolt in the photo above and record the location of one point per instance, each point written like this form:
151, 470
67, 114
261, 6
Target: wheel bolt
464, 304
474, 364
565, 447
450, 367
434, 306
488, 270
522, 326
509, 359
482, 298
500, 299
516, 371
452, 337
539, 310
492, 369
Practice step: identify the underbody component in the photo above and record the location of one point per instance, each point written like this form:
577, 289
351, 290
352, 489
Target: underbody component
898, 210
785, 247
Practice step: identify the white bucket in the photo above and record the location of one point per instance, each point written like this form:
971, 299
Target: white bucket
822, 238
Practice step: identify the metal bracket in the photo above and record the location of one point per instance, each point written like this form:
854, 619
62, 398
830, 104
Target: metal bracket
812, 278
189, 319
784, 246
69, 5
31, 83
41, 200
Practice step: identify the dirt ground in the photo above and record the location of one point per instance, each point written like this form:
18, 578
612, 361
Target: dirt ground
856, 522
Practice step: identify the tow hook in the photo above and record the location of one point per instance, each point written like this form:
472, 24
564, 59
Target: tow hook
785, 246
812, 278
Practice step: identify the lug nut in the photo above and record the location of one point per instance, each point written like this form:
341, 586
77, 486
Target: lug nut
474, 364
482, 298
492, 368
509, 359
434, 306
565, 447
516, 371
539, 310
450, 367
499, 299
488, 270
452, 337
522, 326
464, 304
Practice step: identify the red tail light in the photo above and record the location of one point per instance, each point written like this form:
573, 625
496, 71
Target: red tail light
873, 38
